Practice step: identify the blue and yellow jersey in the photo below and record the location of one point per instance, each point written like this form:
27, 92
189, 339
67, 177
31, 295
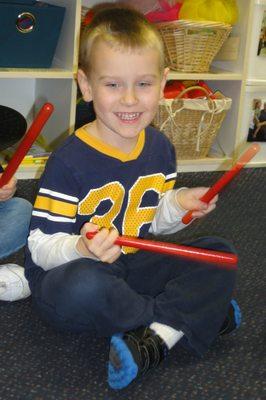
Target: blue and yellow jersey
87, 180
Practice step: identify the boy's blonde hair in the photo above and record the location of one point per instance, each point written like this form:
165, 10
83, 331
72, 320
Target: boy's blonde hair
120, 27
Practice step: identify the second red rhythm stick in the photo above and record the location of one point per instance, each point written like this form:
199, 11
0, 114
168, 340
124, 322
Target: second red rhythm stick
225, 260
225, 179
26, 142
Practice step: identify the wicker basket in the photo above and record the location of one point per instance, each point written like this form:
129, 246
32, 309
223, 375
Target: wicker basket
191, 124
190, 46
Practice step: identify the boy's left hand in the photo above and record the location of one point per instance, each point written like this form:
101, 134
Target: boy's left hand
8, 190
189, 199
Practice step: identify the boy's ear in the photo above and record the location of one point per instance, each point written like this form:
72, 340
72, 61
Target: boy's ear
163, 81
84, 85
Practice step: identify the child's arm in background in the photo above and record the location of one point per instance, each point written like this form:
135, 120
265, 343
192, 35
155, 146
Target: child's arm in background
7, 191
175, 204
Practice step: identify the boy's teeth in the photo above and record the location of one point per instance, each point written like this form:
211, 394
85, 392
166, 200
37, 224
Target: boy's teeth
128, 116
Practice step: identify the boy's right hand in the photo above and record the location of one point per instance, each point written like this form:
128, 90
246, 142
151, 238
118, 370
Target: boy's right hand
101, 247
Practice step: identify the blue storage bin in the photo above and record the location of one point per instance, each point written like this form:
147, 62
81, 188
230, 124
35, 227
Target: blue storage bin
29, 33
18, 1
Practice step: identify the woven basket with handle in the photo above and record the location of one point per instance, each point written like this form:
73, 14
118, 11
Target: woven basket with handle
191, 124
190, 46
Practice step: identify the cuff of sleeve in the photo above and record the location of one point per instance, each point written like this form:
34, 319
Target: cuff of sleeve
70, 248
174, 202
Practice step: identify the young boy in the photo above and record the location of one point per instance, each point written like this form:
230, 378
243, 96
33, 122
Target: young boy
15, 216
116, 176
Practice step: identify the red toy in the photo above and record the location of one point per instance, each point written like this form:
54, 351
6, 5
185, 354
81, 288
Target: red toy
226, 260
26, 142
198, 93
226, 178
174, 88
88, 18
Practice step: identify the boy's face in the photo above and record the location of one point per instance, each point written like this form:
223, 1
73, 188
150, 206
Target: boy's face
125, 86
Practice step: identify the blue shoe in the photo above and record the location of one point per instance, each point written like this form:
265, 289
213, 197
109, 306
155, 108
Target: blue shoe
233, 319
132, 355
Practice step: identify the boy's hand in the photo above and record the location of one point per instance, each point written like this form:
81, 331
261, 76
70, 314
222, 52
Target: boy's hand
7, 191
101, 246
189, 199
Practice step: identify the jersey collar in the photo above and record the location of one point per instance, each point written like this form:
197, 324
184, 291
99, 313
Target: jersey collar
109, 150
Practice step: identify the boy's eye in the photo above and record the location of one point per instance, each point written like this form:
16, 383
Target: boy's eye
112, 84
144, 84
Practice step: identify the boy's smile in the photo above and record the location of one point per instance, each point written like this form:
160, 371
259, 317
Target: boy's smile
128, 117
125, 86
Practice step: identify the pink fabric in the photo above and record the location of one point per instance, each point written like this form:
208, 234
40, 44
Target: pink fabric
167, 12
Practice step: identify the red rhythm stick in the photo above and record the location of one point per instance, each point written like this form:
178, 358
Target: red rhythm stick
26, 142
229, 260
225, 179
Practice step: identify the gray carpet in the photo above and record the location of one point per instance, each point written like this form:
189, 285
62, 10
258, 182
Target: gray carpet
40, 364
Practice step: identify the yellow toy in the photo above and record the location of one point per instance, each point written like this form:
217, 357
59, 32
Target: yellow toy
210, 10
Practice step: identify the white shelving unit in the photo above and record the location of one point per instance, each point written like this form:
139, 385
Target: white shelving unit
241, 78
26, 90
254, 82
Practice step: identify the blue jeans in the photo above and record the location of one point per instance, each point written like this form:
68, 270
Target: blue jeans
15, 217
138, 289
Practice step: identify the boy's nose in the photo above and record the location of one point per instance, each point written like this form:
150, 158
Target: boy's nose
129, 97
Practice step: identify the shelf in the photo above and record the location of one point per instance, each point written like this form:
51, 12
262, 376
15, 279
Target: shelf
256, 82
215, 74
204, 164
196, 165
29, 172
212, 164
51, 73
